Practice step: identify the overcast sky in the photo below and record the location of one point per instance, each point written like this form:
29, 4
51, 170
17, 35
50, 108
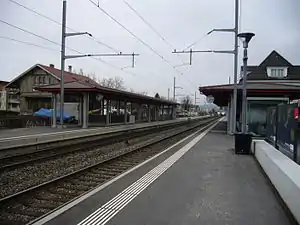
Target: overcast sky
180, 23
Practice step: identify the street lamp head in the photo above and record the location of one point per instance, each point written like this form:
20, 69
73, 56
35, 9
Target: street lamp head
89, 34
245, 38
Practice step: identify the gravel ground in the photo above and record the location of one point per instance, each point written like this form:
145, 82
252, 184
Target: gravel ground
15, 180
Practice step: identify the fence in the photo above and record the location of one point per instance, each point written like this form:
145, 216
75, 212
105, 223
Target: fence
25, 121
283, 130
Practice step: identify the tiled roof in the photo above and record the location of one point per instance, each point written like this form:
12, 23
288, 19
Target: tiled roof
273, 59
81, 85
68, 77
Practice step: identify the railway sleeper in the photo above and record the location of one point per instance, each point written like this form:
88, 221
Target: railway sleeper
110, 169
14, 218
46, 195
76, 187
90, 182
65, 191
26, 210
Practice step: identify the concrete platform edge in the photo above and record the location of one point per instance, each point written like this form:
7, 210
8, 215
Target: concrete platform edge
283, 174
30, 140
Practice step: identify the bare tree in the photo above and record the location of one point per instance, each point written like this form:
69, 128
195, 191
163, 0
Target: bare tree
186, 102
80, 71
116, 82
93, 77
111, 82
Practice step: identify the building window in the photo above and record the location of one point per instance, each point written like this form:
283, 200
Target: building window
279, 72
41, 80
36, 80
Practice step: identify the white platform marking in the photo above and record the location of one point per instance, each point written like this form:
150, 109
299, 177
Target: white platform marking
73, 203
107, 211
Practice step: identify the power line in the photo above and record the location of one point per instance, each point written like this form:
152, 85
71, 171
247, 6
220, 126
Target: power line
149, 25
195, 42
60, 24
44, 38
28, 43
34, 34
29, 32
153, 29
135, 36
158, 34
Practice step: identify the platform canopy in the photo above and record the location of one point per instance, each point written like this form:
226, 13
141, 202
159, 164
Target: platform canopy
222, 93
77, 87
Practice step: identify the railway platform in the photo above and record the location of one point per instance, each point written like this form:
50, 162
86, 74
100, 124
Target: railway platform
29, 136
197, 181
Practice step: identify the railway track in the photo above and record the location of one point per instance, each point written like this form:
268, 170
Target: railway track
23, 159
19, 178
33, 203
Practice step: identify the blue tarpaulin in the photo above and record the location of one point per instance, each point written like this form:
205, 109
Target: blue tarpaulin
48, 113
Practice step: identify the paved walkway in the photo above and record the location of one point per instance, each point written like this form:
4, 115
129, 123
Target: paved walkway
208, 185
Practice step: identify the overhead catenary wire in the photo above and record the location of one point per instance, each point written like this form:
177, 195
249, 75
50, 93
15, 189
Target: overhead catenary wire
56, 43
34, 34
28, 43
159, 35
149, 25
92, 38
140, 40
29, 32
60, 24
135, 36
153, 29
195, 42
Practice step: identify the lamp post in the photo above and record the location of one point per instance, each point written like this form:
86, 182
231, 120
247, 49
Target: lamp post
245, 38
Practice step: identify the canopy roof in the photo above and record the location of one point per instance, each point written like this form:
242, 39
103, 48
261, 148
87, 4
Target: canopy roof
109, 93
222, 93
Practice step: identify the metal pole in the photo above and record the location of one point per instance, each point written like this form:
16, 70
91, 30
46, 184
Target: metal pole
244, 127
62, 65
54, 112
236, 30
195, 98
168, 93
174, 89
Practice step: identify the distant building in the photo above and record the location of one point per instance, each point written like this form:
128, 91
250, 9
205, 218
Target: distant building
7, 100
275, 80
22, 89
3, 96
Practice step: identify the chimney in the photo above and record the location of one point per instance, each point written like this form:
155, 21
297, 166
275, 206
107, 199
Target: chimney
70, 69
51, 65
